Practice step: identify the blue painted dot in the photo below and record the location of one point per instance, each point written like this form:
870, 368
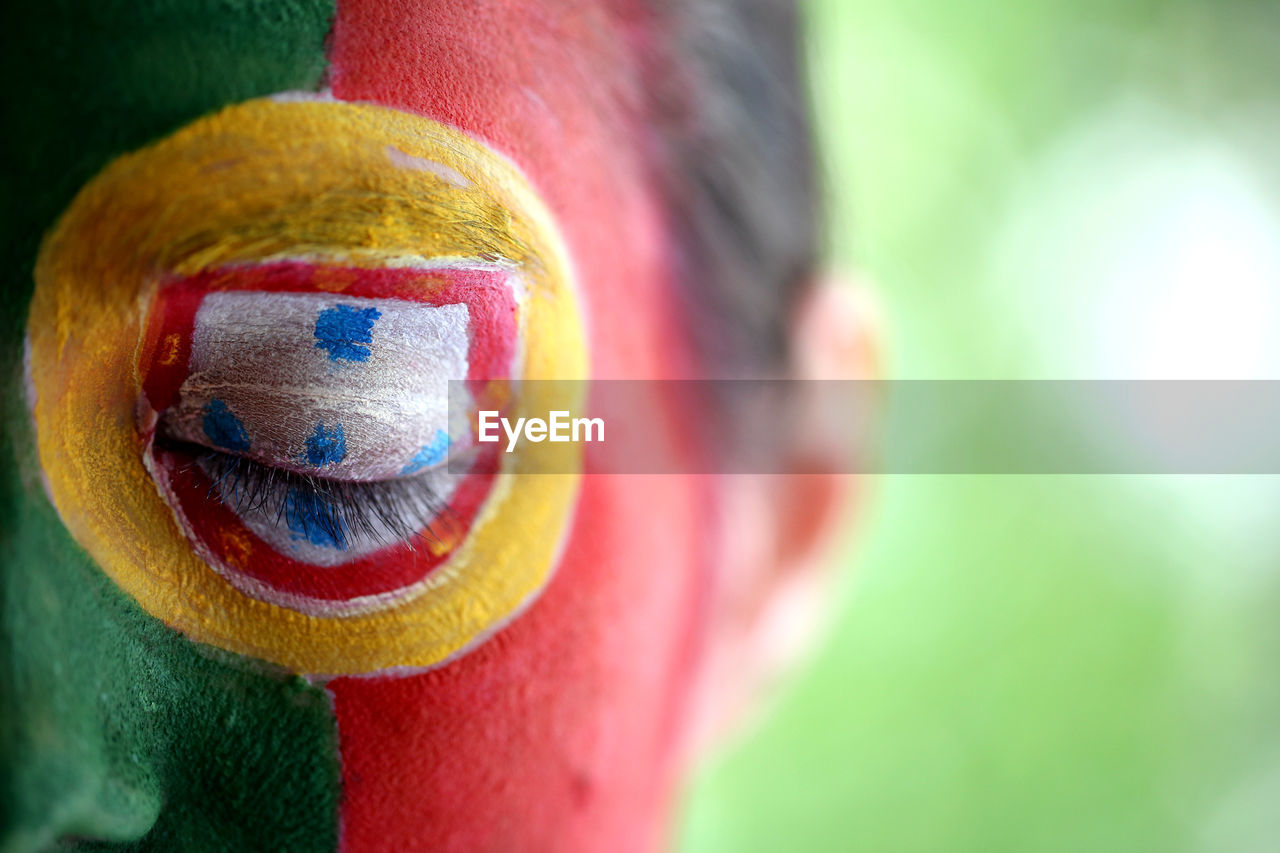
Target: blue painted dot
326, 446
309, 516
344, 330
430, 454
223, 428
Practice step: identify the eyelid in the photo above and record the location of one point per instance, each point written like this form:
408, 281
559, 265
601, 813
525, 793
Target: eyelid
350, 387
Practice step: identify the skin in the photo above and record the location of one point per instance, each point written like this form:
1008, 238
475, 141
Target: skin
566, 730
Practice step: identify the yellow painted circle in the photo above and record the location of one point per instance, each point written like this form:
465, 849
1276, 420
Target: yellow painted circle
354, 185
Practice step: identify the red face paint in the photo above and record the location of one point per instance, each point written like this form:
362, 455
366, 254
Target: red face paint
560, 732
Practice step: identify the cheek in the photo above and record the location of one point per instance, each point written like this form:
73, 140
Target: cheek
565, 727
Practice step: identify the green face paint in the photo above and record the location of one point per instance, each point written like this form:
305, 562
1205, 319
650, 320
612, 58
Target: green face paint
89, 81
113, 726
105, 709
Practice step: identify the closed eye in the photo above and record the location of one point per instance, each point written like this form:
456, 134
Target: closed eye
340, 514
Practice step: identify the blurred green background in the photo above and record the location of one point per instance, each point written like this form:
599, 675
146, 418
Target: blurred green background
1043, 189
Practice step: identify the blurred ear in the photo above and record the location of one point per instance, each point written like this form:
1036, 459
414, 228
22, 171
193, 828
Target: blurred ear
836, 335
778, 529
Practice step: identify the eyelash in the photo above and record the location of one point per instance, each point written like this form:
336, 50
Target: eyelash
384, 512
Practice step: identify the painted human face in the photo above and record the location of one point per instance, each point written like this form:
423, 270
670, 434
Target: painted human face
268, 236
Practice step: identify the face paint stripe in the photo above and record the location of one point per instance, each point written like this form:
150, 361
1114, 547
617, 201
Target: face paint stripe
533, 741
239, 750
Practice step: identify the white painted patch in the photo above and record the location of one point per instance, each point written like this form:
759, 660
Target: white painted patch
258, 353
